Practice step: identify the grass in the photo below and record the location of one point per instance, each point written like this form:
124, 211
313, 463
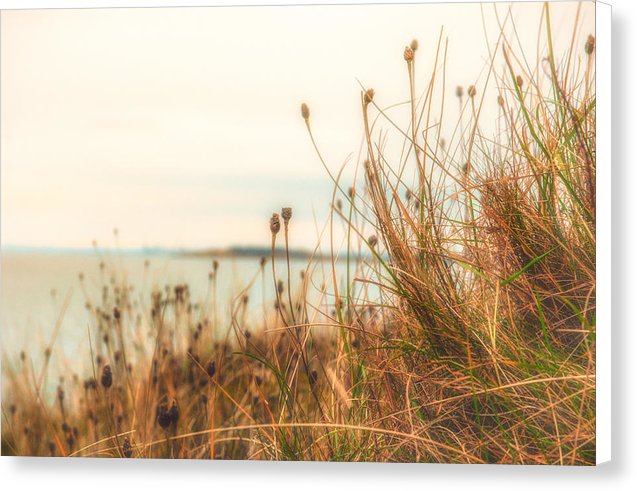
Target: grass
465, 332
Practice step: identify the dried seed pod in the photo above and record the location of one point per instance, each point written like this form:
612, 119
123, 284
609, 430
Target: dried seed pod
408, 54
500, 101
173, 413
414, 44
589, 47
472, 91
275, 224
107, 377
373, 240
163, 418
305, 111
459, 91
127, 450
210, 369
286, 213
368, 96
519, 81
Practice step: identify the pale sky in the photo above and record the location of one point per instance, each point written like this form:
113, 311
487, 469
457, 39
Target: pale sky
181, 126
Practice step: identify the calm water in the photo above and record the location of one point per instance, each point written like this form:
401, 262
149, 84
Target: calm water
36, 286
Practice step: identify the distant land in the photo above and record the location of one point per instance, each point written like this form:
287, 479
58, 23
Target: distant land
232, 251
250, 251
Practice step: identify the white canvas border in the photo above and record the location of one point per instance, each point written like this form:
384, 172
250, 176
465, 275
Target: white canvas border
603, 267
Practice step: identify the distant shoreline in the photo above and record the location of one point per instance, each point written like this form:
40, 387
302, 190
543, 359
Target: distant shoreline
228, 252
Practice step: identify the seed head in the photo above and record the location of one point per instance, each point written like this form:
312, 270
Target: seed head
472, 91
127, 450
414, 44
107, 377
286, 213
589, 47
275, 224
369, 96
519, 80
408, 54
90, 383
173, 413
500, 101
210, 369
373, 240
459, 91
305, 111
163, 418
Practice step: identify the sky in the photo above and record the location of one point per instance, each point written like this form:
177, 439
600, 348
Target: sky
181, 127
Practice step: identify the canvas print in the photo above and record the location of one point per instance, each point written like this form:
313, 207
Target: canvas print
315, 233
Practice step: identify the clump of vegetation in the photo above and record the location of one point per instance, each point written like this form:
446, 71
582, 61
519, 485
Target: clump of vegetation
465, 334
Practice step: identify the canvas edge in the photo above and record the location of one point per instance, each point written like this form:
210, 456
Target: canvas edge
603, 15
